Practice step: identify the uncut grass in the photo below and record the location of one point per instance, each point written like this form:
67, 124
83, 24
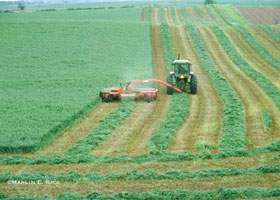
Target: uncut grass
107, 187
252, 56
231, 162
48, 79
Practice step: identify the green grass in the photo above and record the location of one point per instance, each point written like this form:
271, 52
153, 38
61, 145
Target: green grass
231, 15
55, 63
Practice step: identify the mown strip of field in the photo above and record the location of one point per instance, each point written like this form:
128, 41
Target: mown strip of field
203, 125
233, 139
160, 166
251, 95
256, 61
135, 175
115, 186
220, 193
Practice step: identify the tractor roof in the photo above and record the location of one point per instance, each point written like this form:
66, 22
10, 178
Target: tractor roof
181, 62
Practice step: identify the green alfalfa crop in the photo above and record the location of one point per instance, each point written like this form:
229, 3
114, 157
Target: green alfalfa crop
233, 139
258, 47
231, 15
268, 87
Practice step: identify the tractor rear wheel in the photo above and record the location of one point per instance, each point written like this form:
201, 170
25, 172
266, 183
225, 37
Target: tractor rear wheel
169, 80
193, 85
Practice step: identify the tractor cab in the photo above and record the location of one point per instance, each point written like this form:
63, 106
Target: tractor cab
181, 67
182, 76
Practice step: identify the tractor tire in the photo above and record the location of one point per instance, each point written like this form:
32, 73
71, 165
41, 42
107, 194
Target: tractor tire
149, 98
106, 98
193, 85
169, 80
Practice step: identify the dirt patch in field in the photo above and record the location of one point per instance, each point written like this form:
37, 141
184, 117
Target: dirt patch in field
204, 122
133, 135
266, 41
252, 96
256, 60
261, 15
189, 165
115, 186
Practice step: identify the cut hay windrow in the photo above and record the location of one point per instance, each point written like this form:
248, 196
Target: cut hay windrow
198, 13
272, 33
233, 139
266, 118
217, 194
258, 47
135, 175
173, 16
178, 108
102, 130
260, 79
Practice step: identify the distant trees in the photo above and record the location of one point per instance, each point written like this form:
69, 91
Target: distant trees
209, 2
21, 5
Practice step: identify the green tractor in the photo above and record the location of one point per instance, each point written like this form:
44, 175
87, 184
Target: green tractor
182, 77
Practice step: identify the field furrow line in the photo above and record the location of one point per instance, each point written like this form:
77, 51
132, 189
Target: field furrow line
266, 41
114, 186
252, 96
253, 57
132, 136
203, 124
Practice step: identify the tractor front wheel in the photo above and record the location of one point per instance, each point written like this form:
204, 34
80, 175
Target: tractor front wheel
193, 85
169, 80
